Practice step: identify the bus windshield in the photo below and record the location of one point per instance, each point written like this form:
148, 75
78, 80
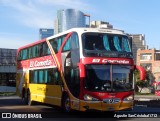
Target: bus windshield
108, 78
110, 45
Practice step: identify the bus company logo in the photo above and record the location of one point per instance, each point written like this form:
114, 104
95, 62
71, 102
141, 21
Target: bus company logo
110, 61
111, 100
40, 63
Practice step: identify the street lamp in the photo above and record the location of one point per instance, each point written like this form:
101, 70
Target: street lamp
87, 15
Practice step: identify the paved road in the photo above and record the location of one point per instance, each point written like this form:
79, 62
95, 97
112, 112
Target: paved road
16, 106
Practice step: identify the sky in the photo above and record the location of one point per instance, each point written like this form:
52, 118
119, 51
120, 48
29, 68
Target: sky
20, 20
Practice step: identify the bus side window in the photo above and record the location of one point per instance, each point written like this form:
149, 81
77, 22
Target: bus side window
75, 54
44, 49
58, 77
29, 52
45, 76
67, 45
37, 50
74, 41
57, 42
54, 45
34, 51
35, 77
54, 77
20, 55
41, 76
31, 75
24, 54
50, 76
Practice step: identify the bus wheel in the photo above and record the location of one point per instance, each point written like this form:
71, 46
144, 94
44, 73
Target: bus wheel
29, 102
66, 104
24, 98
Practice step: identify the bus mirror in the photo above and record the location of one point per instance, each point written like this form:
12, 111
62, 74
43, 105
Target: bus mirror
81, 70
142, 72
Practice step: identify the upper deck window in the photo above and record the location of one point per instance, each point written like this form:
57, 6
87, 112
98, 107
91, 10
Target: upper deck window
57, 42
102, 43
38, 50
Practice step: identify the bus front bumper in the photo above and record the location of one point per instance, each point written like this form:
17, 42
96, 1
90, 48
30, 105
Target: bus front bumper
102, 106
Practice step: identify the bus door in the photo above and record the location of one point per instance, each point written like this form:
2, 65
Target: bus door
70, 57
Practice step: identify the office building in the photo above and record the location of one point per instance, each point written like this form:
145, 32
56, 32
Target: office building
138, 42
67, 19
101, 24
44, 33
150, 60
7, 67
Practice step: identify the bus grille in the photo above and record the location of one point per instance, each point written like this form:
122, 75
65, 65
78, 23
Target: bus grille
111, 100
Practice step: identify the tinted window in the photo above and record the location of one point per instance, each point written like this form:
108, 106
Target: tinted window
46, 76
107, 42
24, 54
72, 41
56, 43
44, 49
67, 45
35, 51
39, 50
98, 78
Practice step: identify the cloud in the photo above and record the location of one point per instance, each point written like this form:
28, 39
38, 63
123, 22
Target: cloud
11, 40
16, 42
19, 6
28, 14
33, 14
78, 4
39, 13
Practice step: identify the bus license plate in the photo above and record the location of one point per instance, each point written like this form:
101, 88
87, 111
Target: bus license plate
111, 108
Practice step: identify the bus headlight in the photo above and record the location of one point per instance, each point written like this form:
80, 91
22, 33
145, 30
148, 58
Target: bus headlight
128, 99
90, 98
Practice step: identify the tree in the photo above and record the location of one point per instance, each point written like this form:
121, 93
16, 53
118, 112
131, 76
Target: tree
138, 83
136, 75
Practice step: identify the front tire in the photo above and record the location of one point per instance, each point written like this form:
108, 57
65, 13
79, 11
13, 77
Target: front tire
66, 104
29, 102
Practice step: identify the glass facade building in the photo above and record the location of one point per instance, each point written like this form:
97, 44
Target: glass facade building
44, 33
67, 19
7, 67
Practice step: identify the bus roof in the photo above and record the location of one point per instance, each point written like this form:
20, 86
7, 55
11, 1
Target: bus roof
81, 30
31, 44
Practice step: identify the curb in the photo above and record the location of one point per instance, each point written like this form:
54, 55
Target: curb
144, 99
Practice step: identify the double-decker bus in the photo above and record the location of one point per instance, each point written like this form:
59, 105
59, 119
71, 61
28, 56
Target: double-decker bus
80, 69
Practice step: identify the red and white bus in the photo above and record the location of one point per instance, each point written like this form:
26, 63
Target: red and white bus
80, 69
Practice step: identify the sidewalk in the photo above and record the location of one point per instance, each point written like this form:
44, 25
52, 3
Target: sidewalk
146, 97
147, 101
7, 89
